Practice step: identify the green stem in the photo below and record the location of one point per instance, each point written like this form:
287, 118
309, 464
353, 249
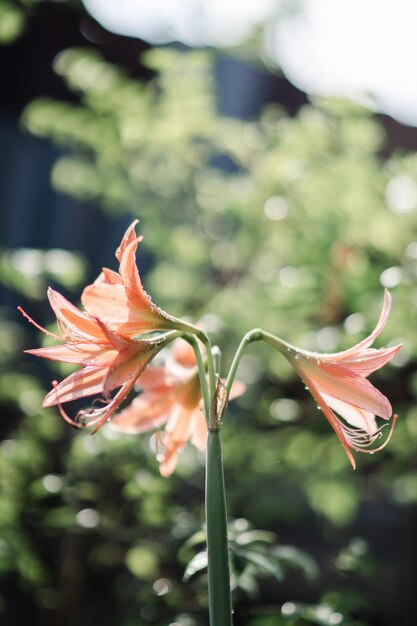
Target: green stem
201, 373
277, 343
201, 335
210, 364
220, 604
253, 335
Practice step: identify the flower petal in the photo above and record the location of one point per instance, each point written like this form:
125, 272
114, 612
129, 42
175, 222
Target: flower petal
101, 416
106, 301
156, 378
340, 382
169, 458
109, 277
238, 388
126, 255
128, 237
199, 436
80, 384
78, 323
130, 363
365, 343
77, 353
177, 433
353, 415
130, 275
179, 426
370, 360
110, 303
330, 416
146, 412
183, 354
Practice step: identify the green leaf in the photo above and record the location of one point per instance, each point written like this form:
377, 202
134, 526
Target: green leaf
197, 564
263, 562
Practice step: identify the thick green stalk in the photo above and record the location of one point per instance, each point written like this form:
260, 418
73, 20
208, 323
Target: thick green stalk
220, 604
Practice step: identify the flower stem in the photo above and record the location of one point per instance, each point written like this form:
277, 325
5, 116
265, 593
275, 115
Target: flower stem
253, 335
220, 604
210, 363
201, 335
201, 373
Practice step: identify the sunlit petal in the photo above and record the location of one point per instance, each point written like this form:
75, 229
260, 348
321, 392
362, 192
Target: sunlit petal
199, 430
368, 341
78, 323
171, 397
338, 382
370, 360
352, 414
146, 412
343, 384
80, 384
77, 353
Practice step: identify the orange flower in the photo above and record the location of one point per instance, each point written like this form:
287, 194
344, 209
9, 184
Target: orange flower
172, 396
338, 383
108, 360
119, 300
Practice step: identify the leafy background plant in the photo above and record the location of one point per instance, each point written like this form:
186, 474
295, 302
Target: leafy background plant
291, 223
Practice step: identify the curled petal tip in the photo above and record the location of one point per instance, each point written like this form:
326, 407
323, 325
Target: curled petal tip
48, 400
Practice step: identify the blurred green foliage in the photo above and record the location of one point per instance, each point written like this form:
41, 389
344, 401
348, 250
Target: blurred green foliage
15, 15
12, 21
28, 271
294, 224
253, 553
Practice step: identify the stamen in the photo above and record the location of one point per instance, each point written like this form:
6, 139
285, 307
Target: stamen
91, 417
360, 435
99, 401
376, 436
104, 414
62, 329
19, 308
61, 410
